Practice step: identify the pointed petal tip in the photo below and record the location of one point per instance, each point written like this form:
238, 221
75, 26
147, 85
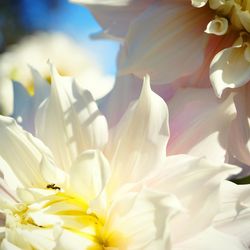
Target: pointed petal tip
53, 70
146, 83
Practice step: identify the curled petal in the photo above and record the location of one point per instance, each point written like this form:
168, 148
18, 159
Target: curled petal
200, 78
199, 3
230, 68
218, 26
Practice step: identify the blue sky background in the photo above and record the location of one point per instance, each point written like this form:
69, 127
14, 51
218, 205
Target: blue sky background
74, 20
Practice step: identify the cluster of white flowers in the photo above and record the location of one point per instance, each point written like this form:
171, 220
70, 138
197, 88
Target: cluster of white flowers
160, 177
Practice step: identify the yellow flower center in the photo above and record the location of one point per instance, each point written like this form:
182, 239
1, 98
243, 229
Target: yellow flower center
71, 213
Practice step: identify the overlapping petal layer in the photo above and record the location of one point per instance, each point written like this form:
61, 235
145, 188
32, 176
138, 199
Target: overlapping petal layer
69, 121
200, 124
95, 200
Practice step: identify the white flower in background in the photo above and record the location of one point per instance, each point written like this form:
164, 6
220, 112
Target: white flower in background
69, 57
170, 39
200, 41
85, 191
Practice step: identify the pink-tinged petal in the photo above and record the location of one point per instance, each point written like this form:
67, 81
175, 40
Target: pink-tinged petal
115, 16
69, 121
166, 41
230, 68
127, 89
200, 124
235, 213
139, 140
240, 132
200, 78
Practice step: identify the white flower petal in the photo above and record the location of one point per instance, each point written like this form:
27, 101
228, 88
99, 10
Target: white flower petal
200, 124
229, 69
199, 3
6, 245
184, 176
212, 239
22, 152
234, 217
217, 26
140, 139
71, 241
9, 176
50, 172
89, 174
45, 220
239, 136
69, 122
169, 46
32, 238
27, 105
143, 219
7, 191
200, 78
6, 97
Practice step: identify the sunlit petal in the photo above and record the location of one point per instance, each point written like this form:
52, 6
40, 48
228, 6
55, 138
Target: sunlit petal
69, 121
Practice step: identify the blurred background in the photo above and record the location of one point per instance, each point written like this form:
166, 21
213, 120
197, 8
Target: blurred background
31, 32
19, 18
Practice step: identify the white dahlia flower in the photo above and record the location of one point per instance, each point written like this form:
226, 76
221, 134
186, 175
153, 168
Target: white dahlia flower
190, 43
84, 190
170, 39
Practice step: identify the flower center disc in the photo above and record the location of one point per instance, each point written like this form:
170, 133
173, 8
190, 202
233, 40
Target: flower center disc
72, 214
